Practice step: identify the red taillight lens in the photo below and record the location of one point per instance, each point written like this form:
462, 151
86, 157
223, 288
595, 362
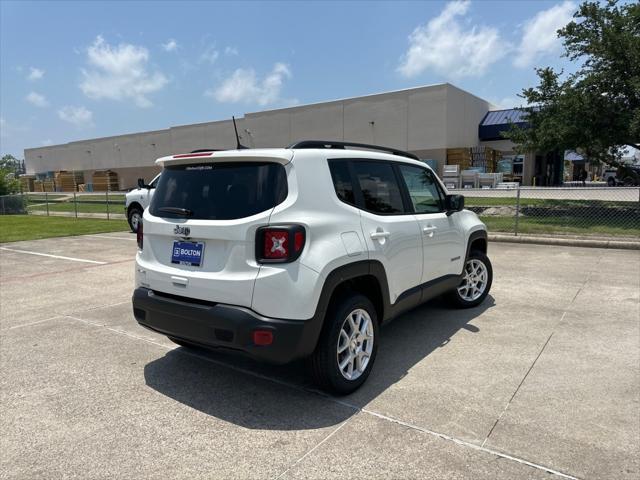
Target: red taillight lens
140, 234
262, 337
279, 244
276, 244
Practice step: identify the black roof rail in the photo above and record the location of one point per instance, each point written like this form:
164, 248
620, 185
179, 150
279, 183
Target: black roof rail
342, 145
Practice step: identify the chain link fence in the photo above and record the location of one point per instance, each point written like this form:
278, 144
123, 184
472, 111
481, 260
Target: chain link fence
104, 205
583, 212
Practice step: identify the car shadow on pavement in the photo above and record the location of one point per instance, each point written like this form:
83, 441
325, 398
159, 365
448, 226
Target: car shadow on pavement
255, 395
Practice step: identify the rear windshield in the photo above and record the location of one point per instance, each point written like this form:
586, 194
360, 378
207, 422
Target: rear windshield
219, 191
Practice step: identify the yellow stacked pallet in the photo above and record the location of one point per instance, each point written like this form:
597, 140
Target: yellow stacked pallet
68, 181
49, 185
27, 183
459, 156
105, 180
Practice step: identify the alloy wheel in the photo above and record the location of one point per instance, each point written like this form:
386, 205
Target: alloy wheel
474, 280
355, 344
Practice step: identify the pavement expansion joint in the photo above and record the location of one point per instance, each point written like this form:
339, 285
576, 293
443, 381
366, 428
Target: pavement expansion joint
330, 398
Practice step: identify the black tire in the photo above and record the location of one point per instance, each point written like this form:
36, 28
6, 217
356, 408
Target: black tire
324, 361
456, 298
182, 343
133, 211
611, 182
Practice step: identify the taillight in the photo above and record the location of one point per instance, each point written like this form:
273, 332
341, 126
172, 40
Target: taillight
279, 244
140, 234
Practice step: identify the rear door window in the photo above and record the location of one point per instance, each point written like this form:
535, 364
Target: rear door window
379, 187
219, 191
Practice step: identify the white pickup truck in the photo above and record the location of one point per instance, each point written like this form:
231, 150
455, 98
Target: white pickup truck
137, 200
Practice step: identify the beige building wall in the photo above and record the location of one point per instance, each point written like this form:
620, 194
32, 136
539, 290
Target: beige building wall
424, 120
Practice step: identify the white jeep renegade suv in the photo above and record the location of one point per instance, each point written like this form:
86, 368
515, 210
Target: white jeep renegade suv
302, 252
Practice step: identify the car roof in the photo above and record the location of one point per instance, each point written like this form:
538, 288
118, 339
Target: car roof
281, 155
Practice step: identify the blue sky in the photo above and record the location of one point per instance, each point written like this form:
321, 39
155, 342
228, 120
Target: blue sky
75, 70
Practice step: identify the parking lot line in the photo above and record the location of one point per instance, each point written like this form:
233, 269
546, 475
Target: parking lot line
60, 257
330, 398
109, 237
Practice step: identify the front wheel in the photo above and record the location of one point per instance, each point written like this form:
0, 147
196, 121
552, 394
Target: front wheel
476, 281
347, 347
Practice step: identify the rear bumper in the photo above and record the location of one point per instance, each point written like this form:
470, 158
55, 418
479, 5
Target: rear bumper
218, 325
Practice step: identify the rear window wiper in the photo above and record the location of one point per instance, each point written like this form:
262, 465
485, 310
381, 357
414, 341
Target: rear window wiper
185, 212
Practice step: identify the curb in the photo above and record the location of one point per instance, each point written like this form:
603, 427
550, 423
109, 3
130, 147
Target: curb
568, 242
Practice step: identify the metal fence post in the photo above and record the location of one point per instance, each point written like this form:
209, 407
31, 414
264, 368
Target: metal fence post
107, 194
75, 204
46, 202
517, 209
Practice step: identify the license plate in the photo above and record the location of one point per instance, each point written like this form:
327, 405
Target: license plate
187, 253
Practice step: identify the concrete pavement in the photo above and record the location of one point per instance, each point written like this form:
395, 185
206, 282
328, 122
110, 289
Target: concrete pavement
541, 381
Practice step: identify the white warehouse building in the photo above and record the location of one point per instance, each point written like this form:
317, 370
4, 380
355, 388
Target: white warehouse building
427, 121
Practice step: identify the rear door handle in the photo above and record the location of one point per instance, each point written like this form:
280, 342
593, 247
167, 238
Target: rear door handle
380, 234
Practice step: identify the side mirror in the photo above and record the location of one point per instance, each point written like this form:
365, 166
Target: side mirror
141, 183
454, 203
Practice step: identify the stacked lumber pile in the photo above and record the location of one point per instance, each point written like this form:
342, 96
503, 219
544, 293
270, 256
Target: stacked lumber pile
485, 158
68, 181
49, 185
459, 156
27, 183
37, 186
105, 180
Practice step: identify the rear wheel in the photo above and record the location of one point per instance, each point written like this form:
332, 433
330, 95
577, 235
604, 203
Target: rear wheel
476, 281
134, 217
347, 347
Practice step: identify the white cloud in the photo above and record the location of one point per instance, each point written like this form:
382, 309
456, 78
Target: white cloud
539, 34
170, 46
451, 48
244, 86
35, 74
47, 142
120, 73
210, 55
78, 116
230, 51
37, 100
507, 102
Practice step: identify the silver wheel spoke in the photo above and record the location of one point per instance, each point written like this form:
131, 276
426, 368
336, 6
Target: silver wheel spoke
474, 281
355, 344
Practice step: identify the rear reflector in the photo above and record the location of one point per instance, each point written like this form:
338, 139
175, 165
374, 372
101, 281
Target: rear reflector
262, 337
140, 234
191, 155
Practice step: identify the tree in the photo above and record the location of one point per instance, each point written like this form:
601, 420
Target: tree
596, 110
8, 179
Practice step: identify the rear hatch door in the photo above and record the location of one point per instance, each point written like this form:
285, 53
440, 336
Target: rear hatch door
200, 229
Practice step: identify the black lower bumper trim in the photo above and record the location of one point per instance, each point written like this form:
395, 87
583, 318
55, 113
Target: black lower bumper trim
224, 326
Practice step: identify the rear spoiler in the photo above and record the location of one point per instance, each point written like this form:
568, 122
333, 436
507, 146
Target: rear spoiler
279, 155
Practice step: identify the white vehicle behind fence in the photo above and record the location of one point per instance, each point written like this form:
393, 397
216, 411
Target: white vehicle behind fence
137, 200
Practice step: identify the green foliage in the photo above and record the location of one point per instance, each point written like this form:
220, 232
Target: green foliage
8, 179
14, 228
595, 110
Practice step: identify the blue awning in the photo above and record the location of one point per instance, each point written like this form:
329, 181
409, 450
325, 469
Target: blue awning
497, 121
